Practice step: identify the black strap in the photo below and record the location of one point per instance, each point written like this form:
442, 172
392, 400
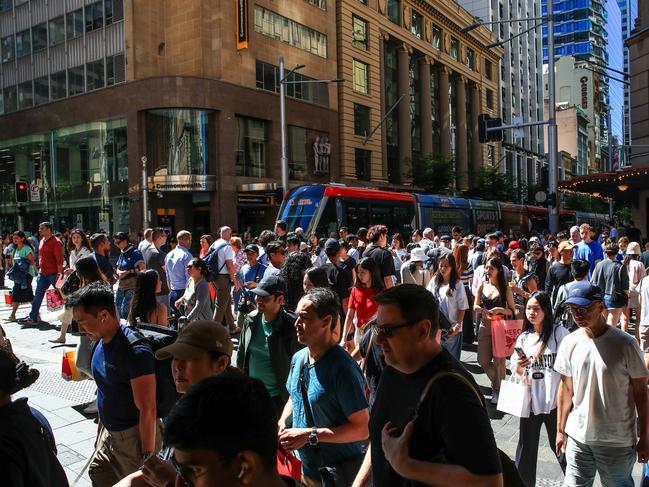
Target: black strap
305, 395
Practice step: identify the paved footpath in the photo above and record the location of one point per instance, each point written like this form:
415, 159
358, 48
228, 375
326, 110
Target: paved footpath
61, 401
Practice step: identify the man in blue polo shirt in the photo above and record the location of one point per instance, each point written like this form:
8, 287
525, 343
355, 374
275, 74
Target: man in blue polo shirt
588, 249
126, 388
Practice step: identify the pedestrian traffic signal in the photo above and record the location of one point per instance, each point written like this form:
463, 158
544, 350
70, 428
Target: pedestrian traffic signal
22, 192
485, 121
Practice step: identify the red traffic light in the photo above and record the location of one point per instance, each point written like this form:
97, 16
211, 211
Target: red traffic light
22, 192
22, 186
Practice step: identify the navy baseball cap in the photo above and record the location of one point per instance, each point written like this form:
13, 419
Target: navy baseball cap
251, 248
270, 286
584, 293
332, 244
446, 238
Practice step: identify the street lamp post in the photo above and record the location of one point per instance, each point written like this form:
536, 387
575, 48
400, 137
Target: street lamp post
145, 196
553, 149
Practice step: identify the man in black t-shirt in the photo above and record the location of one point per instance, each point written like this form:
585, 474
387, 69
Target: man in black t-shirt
378, 238
443, 438
339, 281
559, 272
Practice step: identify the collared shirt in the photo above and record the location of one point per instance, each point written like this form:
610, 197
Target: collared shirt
50, 256
225, 253
176, 264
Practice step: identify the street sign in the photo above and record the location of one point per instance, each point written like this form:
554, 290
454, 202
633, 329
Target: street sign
34, 193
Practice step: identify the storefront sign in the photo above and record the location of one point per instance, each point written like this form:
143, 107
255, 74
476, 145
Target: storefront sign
253, 199
242, 24
34, 193
104, 221
182, 183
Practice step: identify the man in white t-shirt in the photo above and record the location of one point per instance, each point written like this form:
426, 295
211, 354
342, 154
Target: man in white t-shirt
226, 277
643, 325
604, 381
276, 256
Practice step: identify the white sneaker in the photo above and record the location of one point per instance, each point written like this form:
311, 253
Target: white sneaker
91, 408
494, 398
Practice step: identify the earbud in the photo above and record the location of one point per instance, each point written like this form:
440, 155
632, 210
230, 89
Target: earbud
242, 472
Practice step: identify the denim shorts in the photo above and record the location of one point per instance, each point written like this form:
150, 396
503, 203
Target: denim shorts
611, 303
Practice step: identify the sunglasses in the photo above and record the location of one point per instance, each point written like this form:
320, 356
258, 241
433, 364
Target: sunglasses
579, 310
387, 331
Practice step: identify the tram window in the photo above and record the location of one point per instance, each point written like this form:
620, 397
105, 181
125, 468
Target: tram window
380, 214
328, 222
403, 218
356, 215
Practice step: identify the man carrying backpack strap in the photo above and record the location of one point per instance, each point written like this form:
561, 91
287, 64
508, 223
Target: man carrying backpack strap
129, 431
224, 279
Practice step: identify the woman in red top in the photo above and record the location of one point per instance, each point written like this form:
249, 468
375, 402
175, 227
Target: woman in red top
361, 301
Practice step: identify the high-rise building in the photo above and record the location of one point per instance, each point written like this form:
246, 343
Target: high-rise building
590, 30
629, 13
521, 73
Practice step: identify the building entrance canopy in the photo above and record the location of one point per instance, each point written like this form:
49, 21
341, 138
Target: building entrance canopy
620, 186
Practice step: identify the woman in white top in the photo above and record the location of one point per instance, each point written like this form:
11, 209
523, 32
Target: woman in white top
448, 289
79, 247
637, 272
413, 271
538, 343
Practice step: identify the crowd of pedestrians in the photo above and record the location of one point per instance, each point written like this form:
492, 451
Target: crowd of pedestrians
348, 352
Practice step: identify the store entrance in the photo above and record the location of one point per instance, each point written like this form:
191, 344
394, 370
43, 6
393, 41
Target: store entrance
181, 211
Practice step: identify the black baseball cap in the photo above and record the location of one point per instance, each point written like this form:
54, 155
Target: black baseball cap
251, 248
332, 244
270, 286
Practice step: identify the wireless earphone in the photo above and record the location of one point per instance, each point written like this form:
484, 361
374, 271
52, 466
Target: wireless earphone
242, 472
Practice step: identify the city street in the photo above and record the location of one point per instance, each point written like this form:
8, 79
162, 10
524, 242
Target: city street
60, 401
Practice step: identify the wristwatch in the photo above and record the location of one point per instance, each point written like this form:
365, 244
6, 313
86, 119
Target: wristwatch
146, 455
313, 437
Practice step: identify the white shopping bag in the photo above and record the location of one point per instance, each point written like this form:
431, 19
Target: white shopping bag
514, 397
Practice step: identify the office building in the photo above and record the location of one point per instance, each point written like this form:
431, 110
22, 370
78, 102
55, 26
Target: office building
521, 74
629, 14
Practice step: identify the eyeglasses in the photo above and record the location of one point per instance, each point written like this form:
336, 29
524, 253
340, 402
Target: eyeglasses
387, 331
580, 310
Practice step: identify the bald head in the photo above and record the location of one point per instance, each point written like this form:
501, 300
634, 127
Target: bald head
226, 233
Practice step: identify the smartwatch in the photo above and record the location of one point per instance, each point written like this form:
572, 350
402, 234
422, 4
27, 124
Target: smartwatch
313, 437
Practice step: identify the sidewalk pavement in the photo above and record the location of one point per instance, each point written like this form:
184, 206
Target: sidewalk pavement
61, 401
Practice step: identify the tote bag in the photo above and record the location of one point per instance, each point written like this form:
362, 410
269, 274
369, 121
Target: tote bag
514, 397
503, 336
54, 300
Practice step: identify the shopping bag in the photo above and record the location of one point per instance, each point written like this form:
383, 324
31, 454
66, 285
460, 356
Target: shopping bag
514, 397
288, 464
69, 369
54, 300
84, 356
503, 336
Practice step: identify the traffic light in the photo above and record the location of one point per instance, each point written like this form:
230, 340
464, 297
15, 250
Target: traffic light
22, 192
485, 121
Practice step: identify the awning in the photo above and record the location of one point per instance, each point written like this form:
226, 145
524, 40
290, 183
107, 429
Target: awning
619, 186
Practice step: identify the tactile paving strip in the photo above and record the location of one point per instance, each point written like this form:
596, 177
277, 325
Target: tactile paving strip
52, 384
548, 483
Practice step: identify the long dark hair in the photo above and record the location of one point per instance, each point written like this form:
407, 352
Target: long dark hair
497, 264
144, 302
84, 240
545, 303
372, 267
455, 277
21, 234
89, 272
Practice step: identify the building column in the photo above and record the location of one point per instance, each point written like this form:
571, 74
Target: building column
476, 146
426, 108
383, 176
444, 113
405, 123
461, 149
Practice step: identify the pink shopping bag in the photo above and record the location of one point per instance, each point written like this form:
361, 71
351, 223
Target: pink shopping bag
503, 336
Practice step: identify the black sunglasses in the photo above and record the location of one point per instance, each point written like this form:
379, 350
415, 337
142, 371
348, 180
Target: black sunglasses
387, 331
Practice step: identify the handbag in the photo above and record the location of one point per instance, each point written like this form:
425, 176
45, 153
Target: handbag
288, 464
342, 474
503, 336
71, 285
54, 300
514, 397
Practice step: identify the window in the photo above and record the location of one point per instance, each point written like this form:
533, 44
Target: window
7, 45
94, 16
297, 157
115, 72
252, 147
363, 160
290, 32
488, 68
394, 11
25, 95
23, 43
114, 11
41, 91
321, 4
57, 30
95, 75
267, 77
39, 36
5, 5
417, 25
57, 80
10, 99
437, 37
470, 58
74, 21
359, 32
75, 81
361, 120
455, 48
361, 72
490, 99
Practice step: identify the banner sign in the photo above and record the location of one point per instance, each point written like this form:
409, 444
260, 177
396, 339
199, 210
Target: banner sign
179, 182
242, 24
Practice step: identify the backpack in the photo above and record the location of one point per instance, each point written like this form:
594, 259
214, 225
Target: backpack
156, 337
212, 261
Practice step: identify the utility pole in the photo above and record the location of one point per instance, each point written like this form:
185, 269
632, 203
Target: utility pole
145, 195
282, 121
553, 149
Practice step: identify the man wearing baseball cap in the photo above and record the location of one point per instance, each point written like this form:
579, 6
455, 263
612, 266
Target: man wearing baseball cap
202, 349
559, 272
603, 383
268, 340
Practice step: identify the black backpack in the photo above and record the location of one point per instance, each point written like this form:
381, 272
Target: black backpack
212, 261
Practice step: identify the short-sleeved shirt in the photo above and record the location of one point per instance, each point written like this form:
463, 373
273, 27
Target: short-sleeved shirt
153, 259
589, 252
176, 265
451, 419
383, 259
338, 280
603, 411
114, 365
252, 274
129, 259
104, 265
224, 253
23, 253
361, 299
336, 389
260, 366
453, 304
